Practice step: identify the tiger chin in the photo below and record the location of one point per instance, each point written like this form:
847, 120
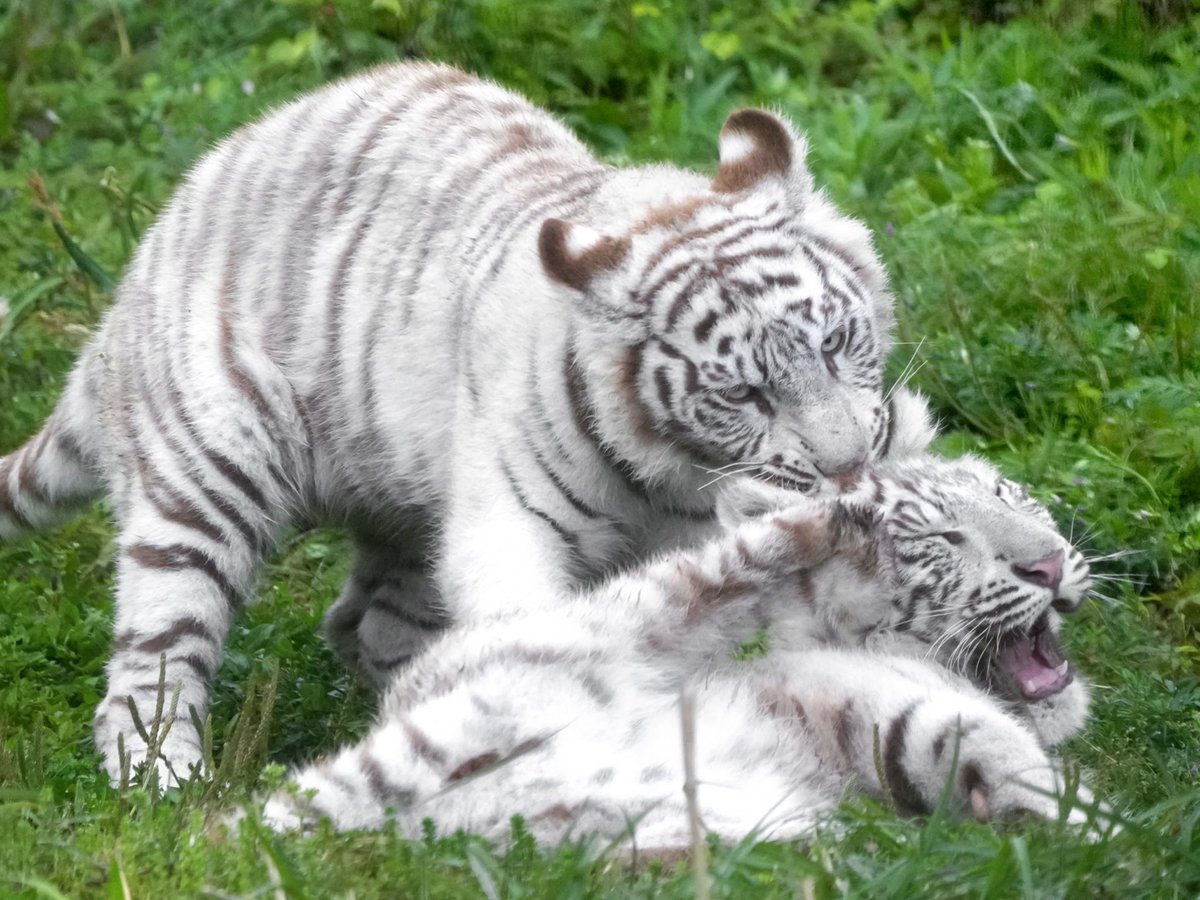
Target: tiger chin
912, 626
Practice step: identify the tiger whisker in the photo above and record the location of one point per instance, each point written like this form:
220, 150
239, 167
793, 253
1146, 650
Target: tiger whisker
924, 616
947, 636
723, 475
1103, 598
905, 373
963, 652
1108, 557
727, 466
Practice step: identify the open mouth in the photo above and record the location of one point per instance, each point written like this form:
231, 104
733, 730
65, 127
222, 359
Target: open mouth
1034, 660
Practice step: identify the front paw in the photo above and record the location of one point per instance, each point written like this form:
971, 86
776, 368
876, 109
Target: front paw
992, 764
1038, 790
173, 753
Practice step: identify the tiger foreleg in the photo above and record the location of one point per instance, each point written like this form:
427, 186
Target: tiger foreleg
913, 735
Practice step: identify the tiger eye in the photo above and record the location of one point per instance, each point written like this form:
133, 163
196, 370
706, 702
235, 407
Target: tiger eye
739, 394
834, 341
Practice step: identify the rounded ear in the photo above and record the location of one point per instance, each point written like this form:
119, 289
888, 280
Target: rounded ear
910, 424
749, 498
756, 145
575, 254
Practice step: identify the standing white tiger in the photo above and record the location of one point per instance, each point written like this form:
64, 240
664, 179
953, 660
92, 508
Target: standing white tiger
414, 303
913, 651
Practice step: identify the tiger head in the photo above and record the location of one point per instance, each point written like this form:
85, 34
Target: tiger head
977, 574
740, 322
950, 562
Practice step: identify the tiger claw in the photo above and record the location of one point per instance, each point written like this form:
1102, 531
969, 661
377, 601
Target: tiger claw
979, 804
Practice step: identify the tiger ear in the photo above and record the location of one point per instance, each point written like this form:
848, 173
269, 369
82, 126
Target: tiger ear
755, 146
574, 255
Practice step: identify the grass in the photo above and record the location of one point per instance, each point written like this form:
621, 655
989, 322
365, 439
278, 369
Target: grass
1035, 188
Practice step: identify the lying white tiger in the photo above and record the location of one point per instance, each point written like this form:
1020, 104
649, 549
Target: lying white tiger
415, 304
912, 621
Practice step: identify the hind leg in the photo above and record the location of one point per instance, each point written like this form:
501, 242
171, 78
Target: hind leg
388, 610
54, 473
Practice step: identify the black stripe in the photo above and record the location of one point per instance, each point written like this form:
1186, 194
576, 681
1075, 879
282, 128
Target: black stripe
785, 280
904, 792
691, 382
705, 326
662, 385
7, 501
889, 431
27, 481
220, 502
197, 664
585, 420
559, 484
848, 268
571, 540
752, 225
336, 301
170, 503
843, 730
235, 475
686, 293
374, 774
307, 227
165, 640
180, 557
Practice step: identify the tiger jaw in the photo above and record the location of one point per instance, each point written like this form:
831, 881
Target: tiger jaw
1032, 661
1025, 663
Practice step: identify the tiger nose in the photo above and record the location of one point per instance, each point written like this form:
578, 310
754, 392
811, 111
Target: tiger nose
1045, 573
845, 477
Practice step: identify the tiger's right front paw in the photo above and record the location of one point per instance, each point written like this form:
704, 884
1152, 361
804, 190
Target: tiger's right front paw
176, 756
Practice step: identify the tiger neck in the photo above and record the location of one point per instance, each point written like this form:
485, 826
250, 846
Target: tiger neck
603, 397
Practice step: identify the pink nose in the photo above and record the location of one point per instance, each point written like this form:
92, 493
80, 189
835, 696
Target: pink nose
1045, 573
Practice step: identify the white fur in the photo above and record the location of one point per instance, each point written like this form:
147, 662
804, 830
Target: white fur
569, 717
347, 313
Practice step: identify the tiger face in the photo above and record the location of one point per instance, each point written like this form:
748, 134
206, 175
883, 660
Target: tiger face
978, 572
753, 318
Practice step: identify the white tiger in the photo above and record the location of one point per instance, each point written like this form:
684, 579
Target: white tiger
913, 650
415, 304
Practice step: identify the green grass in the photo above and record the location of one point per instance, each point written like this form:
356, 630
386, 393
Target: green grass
1035, 188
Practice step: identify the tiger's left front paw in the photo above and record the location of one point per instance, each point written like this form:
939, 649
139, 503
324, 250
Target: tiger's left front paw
1039, 791
992, 764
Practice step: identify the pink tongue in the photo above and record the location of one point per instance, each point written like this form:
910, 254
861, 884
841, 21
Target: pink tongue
1035, 678
1034, 675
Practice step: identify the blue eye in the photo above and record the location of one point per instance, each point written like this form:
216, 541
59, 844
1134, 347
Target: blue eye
834, 341
739, 393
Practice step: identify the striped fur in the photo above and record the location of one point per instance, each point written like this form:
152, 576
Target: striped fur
569, 716
414, 304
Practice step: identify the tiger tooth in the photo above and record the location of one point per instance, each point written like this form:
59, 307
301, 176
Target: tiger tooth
1061, 668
